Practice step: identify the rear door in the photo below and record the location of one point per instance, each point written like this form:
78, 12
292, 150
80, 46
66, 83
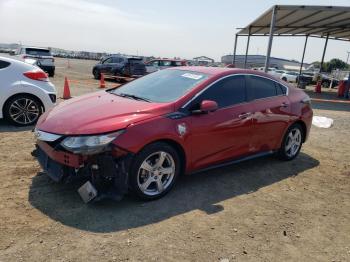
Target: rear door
271, 109
226, 133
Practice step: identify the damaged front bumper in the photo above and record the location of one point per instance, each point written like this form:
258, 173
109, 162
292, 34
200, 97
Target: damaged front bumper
105, 174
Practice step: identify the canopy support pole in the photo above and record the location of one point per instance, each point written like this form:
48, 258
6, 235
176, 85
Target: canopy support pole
302, 59
324, 52
246, 50
234, 52
272, 30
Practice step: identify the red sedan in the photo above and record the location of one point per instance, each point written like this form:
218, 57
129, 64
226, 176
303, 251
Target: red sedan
140, 137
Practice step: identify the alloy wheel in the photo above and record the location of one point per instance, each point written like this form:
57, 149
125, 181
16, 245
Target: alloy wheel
293, 142
156, 173
24, 111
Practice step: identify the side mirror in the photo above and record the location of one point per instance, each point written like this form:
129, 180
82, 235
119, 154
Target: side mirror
206, 106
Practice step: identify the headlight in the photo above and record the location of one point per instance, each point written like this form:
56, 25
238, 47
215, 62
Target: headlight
88, 145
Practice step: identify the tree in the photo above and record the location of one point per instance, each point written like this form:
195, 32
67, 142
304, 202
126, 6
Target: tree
333, 64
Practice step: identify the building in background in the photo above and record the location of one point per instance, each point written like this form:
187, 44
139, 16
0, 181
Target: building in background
256, 61
202, 61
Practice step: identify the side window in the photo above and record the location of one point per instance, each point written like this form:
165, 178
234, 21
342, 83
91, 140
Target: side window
4, 64
227, 92
281, 89
260, 87
107, 61
164, 63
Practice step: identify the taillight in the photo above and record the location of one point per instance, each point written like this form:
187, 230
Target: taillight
37, 75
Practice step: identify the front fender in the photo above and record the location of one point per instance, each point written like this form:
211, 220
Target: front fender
138, 135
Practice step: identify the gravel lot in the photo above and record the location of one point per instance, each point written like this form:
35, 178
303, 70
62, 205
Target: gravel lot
260, 210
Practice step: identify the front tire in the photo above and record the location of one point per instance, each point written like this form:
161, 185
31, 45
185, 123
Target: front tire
154, 171
23, 110
292, 142
97, 74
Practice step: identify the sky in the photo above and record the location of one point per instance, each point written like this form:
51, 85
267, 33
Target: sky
173, 28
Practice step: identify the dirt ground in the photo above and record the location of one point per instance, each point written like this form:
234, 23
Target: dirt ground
260, 210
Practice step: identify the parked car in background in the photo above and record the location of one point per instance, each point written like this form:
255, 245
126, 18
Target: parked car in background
305, 77
143, 135
25, 92
328, 80
38, 56
279, 73
118, 65
289, 76
160, 64
271, 71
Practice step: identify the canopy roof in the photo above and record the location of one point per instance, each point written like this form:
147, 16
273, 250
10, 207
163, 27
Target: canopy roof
292, 20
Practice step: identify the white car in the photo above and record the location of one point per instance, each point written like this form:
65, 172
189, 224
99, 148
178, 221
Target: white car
39, 56
290, 76
273, 71
279, 73
25, 92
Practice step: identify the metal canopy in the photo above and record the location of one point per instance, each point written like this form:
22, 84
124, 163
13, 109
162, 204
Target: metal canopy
330, 22
291, 20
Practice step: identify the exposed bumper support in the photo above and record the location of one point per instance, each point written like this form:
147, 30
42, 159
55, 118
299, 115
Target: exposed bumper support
107, 173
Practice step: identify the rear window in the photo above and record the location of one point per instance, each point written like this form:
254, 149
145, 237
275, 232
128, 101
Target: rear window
134, 61
41, 52
165, 63
4, 64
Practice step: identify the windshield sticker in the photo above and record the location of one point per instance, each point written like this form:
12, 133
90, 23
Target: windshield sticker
192, 76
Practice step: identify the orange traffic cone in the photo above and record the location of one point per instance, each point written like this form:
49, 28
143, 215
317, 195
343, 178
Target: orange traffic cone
102, 81
66, 91
318, 87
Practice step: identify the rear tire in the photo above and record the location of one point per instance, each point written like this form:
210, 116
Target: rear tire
154, 171
23, 110
51, 73
292, 142
284, 79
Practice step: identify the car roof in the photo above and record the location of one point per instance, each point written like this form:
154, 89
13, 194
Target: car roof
34, 47
221, 71
17, 62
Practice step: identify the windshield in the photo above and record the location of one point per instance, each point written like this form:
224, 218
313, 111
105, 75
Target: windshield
41, 52
162, 86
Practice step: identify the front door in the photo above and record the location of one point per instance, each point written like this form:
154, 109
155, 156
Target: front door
224, 134
106, 65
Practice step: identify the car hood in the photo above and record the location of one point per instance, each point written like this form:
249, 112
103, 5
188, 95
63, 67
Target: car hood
97, 113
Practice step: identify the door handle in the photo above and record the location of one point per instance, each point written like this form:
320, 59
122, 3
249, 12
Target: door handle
244, 115
284, 104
